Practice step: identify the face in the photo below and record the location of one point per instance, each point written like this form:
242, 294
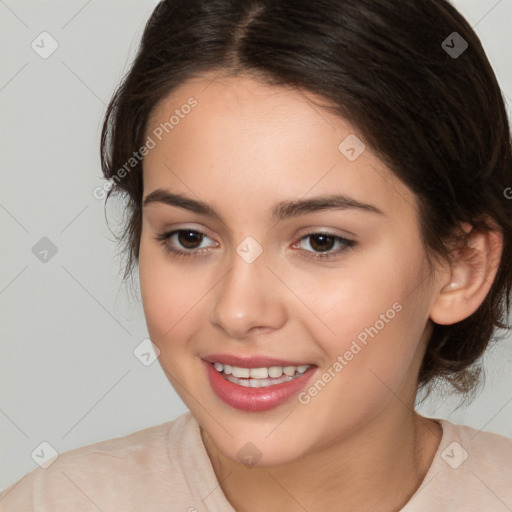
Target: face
282, 272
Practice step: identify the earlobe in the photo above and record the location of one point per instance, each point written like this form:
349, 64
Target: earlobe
472, 271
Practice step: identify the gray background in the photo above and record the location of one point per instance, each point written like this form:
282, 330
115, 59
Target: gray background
68, 374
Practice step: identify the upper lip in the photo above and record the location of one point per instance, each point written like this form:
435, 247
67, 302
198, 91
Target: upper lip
250, 362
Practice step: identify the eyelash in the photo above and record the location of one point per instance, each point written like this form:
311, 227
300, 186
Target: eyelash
164, 237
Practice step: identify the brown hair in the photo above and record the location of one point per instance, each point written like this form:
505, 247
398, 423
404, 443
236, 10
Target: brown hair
429, 107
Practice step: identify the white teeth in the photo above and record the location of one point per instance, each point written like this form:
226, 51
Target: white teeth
257, 383
260, 377
289, 370
258, 373
241, 373
275, 372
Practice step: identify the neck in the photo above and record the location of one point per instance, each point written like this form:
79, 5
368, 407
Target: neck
376, 467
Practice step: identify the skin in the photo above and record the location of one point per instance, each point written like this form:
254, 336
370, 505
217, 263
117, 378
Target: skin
243, 149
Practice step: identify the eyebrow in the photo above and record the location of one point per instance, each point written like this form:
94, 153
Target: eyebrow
281, 211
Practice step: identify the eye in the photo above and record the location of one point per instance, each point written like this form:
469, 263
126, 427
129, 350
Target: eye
322, 245
190, 242
184, 242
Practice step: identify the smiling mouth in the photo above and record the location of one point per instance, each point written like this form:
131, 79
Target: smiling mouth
260, 377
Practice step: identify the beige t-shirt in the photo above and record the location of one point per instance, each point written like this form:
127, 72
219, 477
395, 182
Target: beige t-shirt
166, 468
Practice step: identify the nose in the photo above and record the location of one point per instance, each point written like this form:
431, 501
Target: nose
248, 300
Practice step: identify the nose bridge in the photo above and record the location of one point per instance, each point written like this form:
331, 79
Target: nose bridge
247, 297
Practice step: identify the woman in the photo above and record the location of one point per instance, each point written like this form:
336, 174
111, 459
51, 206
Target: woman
316, 201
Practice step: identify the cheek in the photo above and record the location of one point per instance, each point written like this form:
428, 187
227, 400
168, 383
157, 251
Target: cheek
371, 361
372, 316
170, 295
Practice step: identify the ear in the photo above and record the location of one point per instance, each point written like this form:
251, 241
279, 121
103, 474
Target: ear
463, 286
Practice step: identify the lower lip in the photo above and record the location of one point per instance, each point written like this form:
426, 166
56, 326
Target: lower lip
255, 399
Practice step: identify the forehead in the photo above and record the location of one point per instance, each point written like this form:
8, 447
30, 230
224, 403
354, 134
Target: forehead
250, 140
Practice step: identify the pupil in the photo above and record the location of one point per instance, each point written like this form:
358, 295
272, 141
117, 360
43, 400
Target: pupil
322, 242
188, 239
